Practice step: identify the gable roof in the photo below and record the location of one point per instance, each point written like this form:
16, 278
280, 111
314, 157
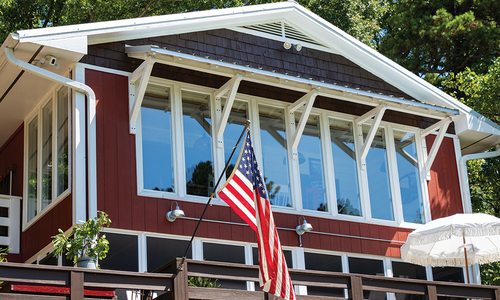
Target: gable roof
297, 23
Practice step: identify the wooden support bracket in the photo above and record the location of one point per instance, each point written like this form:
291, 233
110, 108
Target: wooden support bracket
307, 100
442, 126
137, 89
230, 87
377, 113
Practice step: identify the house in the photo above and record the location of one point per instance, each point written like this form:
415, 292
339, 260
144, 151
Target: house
136, 117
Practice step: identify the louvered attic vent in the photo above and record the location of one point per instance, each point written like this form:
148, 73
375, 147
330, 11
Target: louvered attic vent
283, 30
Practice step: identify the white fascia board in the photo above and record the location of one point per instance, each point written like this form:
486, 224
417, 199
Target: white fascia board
101, 32
381, 66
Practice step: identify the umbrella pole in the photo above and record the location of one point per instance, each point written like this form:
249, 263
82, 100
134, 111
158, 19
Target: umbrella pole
466, 262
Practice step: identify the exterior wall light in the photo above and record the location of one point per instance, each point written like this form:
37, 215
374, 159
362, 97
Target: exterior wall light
298, 47
303, 228
287, 45
172, 215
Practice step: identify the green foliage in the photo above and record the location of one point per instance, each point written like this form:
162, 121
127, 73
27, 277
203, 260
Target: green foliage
203, 282
433, 38
3, 254
84, 240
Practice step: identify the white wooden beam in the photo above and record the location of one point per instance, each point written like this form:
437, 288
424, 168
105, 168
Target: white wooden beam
232, 87
377, 113
308, 100
443, 126
227, 86
435, 127
137, 84
301, 102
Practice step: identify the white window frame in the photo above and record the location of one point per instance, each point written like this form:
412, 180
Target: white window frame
253, 103
51, 96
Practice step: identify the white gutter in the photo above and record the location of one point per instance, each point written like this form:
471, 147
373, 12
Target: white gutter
91, 127
466, 201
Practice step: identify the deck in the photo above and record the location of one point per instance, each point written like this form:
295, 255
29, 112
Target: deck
26, 281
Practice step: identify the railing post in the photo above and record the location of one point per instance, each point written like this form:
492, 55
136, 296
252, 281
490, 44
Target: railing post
431, 292
76, 285
497, 294
356, 288
181, 281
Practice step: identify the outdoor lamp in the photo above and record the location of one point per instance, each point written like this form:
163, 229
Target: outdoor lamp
172, 215
287, 45
303, 228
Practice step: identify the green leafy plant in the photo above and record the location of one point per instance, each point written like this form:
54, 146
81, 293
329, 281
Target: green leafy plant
203, 282
3, 254
85, 240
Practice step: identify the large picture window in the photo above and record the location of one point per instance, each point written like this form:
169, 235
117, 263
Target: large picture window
179, 155
47, 154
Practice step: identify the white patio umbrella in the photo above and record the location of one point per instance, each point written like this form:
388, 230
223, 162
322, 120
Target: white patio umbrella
459, 240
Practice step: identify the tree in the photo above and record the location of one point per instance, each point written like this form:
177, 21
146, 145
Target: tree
434, 38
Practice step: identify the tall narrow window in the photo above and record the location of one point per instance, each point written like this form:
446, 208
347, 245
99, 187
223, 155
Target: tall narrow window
344, 162
378, 177
311, 166
32, 167
156, 118
62, 141
197, 143
275, 155
408, 172
235, 124
47, 154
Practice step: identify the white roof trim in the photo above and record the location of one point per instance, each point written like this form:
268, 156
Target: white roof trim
295, 15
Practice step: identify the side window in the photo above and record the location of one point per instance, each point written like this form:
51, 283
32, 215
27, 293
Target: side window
310, 159
345, 169
157, 154
379, 184
47, 153
197, 122
275, 155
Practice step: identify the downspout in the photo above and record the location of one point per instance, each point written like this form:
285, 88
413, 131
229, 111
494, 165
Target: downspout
91, 128
465, 177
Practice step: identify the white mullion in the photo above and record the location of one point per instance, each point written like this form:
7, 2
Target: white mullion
428, 272
388, 273
422, 181
70, 138
397, 205
39, 146
138, 153
364, 191
299, 262
25, 173
328, 167
55, 140
197, 249
178, 143
142, 251
253, 107
249, 262
293, 160
218, 157
345, 269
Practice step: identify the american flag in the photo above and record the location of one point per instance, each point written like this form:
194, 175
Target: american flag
246, 193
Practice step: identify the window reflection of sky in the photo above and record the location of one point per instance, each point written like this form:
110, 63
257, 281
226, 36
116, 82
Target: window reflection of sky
378, 177
344, 161
275, 157
156, 145
311, 167
411, 195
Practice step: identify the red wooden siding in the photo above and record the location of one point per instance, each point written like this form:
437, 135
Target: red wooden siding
11, 158
40, 233
445, 196
117, 191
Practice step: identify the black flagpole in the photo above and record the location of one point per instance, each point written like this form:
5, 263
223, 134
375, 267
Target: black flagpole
212, 195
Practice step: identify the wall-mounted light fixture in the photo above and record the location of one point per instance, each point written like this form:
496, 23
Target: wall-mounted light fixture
303, 228
287, 45
297, 47
173, 214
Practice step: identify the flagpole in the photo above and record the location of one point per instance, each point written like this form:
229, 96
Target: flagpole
247, 124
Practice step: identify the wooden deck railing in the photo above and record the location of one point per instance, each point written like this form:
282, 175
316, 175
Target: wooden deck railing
171, 284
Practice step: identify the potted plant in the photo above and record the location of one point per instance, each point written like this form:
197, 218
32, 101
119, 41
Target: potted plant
85, 245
